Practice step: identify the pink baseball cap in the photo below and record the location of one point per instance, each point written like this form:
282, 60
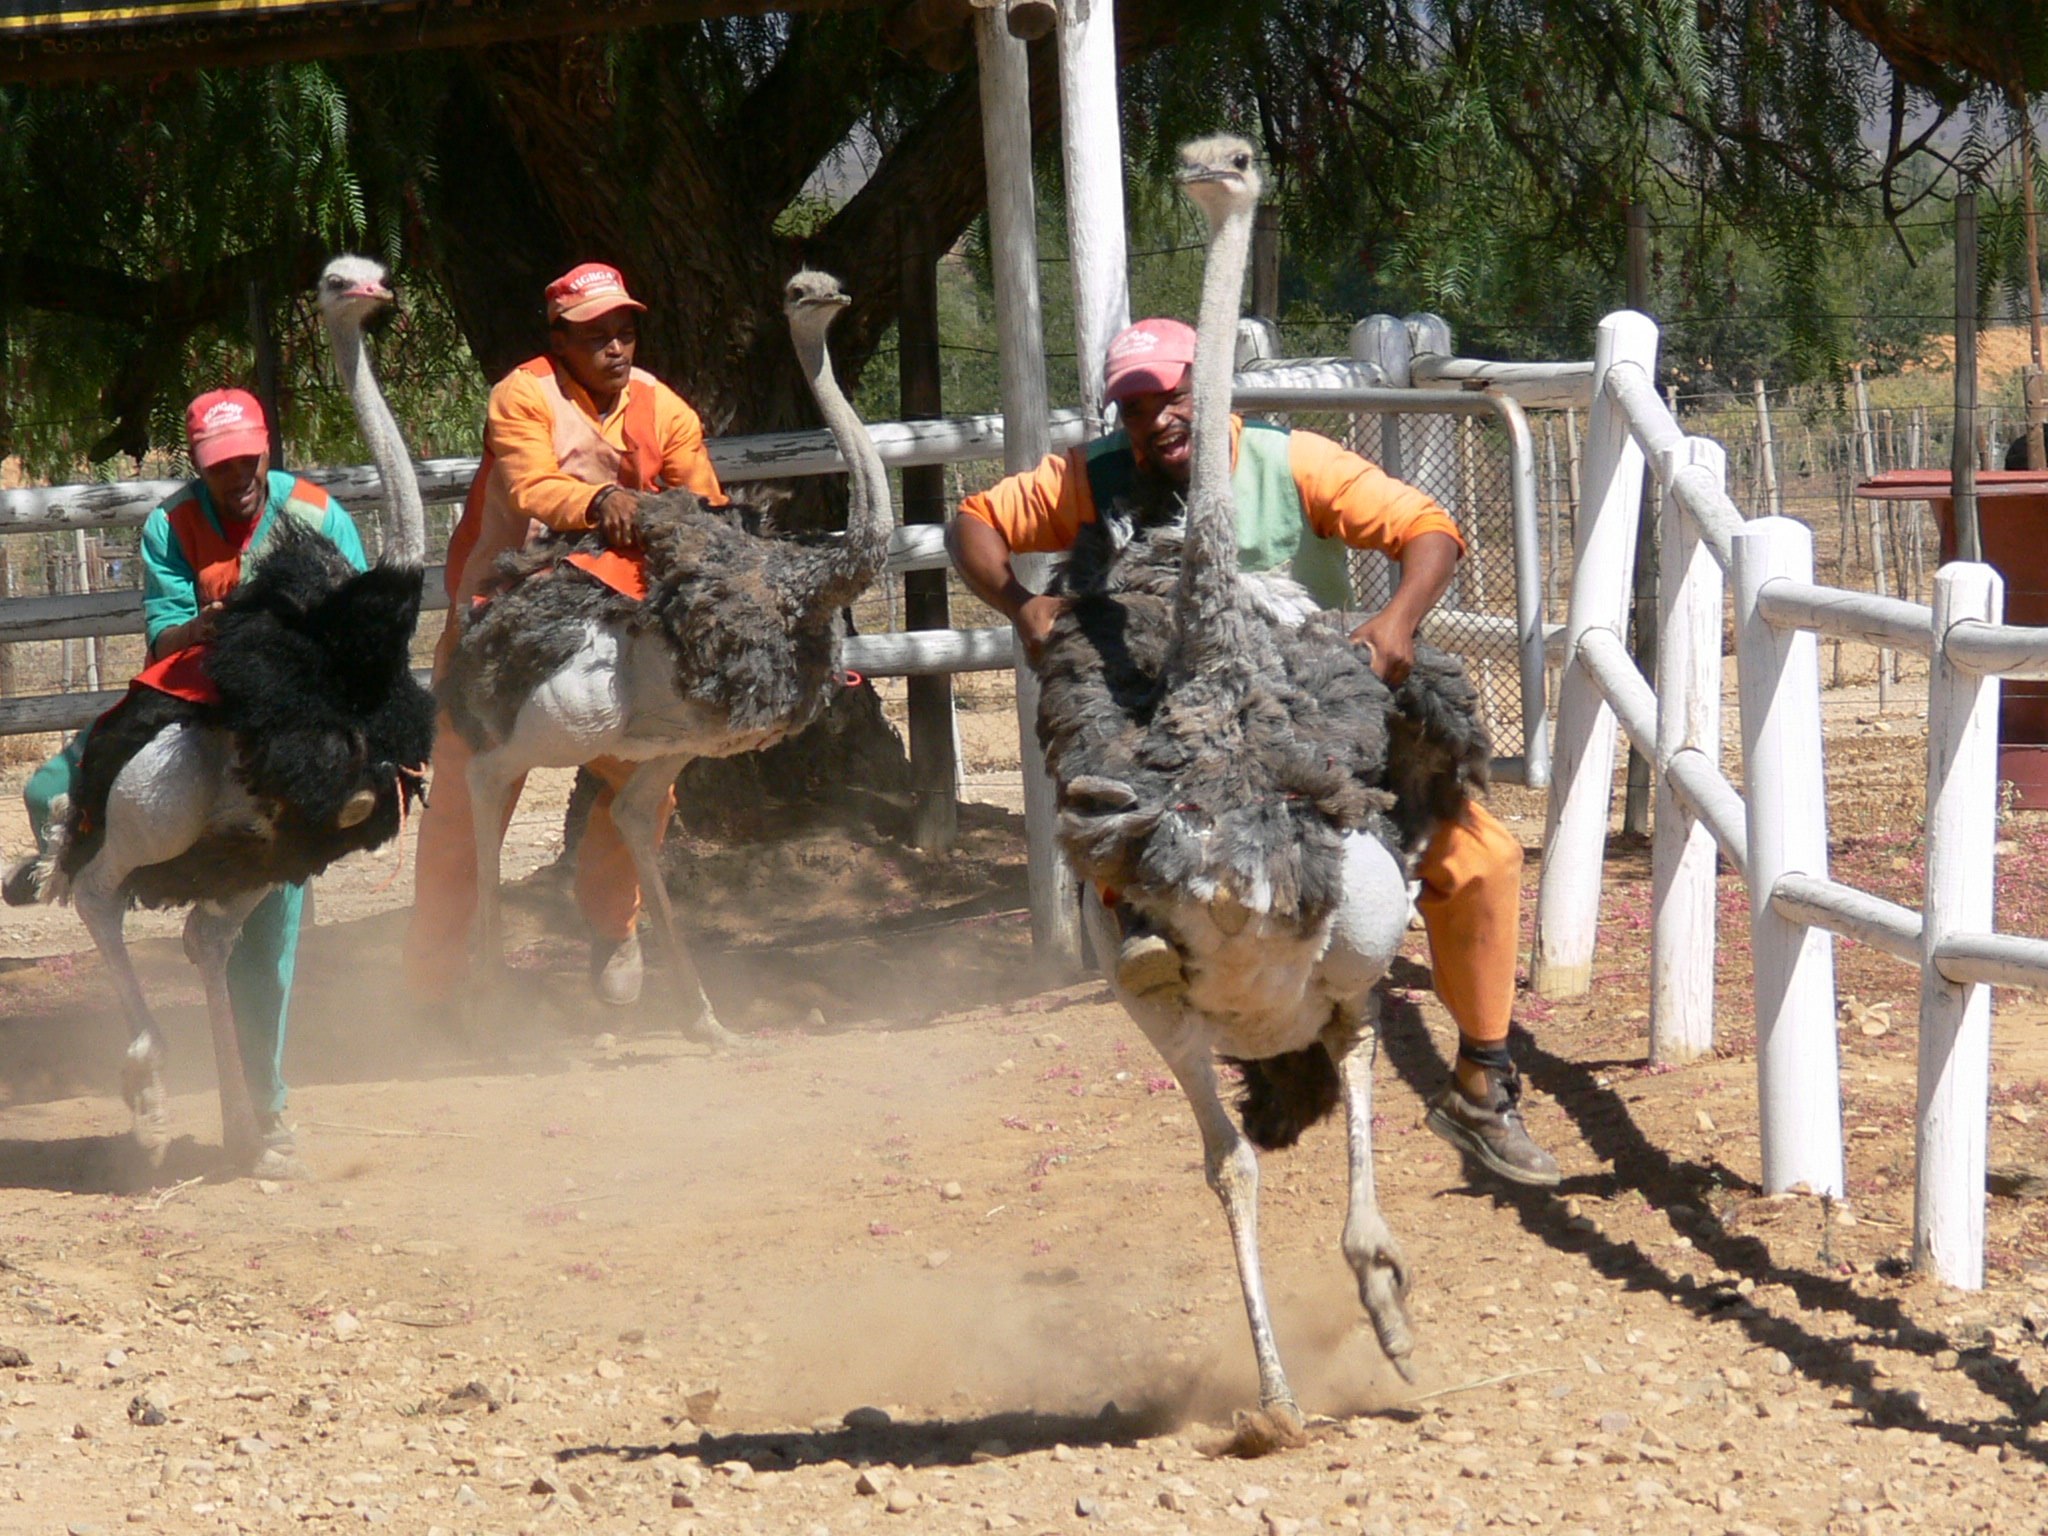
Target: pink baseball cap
585, 292
1151, 355
225, 424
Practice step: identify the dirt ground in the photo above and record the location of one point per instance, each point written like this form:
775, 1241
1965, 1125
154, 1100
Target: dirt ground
937, 1255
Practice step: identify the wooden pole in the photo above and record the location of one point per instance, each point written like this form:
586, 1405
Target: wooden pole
1582, 776
2035, 381
1774, 501
1635, 813
934, 769
1963, 458
1682, 852
1091, 147
1880, 567
1955, 1019
1793, 965
1020, 331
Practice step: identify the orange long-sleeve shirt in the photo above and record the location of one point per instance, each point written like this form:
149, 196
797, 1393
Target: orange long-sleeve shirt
519, 428
1343, 496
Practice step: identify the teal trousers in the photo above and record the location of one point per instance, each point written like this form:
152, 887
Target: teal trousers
261, 967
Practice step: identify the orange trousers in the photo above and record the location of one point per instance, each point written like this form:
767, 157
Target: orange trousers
436, 957
1471, 903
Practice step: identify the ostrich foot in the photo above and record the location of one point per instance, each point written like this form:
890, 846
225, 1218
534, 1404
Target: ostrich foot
1383, 1288
1276, 1426
706, 1030
142, 1085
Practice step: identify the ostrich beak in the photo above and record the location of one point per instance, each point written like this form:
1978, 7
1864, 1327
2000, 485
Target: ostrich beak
1194, 174
377, 291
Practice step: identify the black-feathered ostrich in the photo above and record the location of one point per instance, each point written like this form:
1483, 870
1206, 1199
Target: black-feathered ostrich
1229, 763
309, 754
735, 647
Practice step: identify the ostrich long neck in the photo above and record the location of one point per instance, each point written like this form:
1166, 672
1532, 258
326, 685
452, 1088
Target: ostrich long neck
394, 465
868, 518
1208, 567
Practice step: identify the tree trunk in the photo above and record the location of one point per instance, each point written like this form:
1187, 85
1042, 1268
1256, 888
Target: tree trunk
555, 152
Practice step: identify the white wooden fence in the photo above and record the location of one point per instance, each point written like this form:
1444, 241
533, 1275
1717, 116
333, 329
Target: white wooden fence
1775, 832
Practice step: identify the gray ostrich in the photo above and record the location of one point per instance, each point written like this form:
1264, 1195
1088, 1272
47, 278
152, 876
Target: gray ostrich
1227, 761
310, 751
735, 647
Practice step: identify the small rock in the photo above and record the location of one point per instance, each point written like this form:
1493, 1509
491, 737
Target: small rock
951, 1190
466, 1495
609, 1370
235, 1354
1050, 1042
1088, 1508
1737, 1378
1250, 1495
1064, 1453
866, 1418
269, 1187
937, 1258
12, 1359
81, 1528
116, 1358
901, 1501
1282, 1525
145, 1410
1780, 1363
868, 1483
80, 1432
542, 1486
1616, 1423
1561, 1456
739, 1473
346, 1325
1703, 1120
681, 1498
699, 1404
251, 1446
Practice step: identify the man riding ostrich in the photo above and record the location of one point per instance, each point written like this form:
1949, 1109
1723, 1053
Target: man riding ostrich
573, 439
277, 729
1237, 779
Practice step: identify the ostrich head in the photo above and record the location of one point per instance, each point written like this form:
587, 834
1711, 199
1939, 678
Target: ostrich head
1220, 175
812, 301
352, 289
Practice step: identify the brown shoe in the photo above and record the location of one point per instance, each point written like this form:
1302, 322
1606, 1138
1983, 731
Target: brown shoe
1492, 1134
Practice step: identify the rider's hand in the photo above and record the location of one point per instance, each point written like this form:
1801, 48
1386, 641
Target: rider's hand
614, 512
1391, 641
1035, 619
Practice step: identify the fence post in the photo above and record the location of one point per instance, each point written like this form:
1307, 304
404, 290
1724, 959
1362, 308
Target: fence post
1582, 765
1682, 852
1383, 341
1799, 1089
1020, 333
1955, 1021
1774, 503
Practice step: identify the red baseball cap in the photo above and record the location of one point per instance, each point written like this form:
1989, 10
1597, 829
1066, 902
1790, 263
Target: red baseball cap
585, 292
225, 424
1153, 354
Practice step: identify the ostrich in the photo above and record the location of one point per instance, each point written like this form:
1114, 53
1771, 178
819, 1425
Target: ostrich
735, 647
307, 751
1228, 762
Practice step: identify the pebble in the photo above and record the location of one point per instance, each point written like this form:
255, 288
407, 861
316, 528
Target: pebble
116, 1358
867, 1418
148, 1410
1616, 1423
467, 1495
1251, 1494
269, 1187
1088, 1508
740, 1473
951, 1190
1781, 1363
346, 1325
937, 1258
868, 1483
609, 1370
901, 1501
235, 1354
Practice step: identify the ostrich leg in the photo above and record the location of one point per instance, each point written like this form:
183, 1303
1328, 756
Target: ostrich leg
142, 1070
1232, 1167
1369, 1245
210, 934
638, 810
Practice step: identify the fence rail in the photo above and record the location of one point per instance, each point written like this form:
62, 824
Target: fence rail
1775, 832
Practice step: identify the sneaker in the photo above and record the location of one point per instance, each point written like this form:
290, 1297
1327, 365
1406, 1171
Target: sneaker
615, 970
277, 1155
22, 887
1492, 1134
1146, 961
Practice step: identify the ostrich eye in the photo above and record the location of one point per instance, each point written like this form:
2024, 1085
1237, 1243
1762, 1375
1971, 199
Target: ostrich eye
1242, 162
